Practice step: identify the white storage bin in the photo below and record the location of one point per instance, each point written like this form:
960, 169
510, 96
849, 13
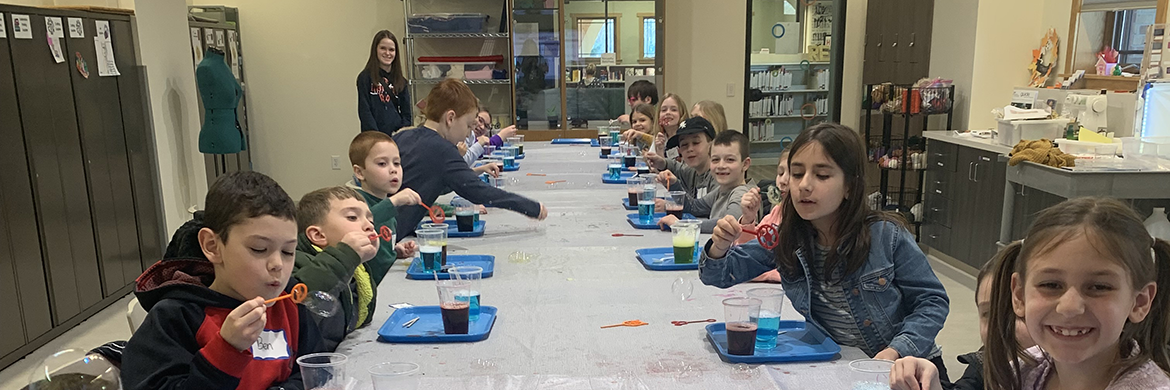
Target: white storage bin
1084, 148
1011, 132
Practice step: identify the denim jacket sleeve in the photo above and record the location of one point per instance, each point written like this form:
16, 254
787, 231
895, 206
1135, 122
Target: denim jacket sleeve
741, 264
923, 296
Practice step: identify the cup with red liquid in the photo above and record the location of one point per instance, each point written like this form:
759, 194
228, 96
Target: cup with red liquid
456, 312
674, 205
633, 190
742, 316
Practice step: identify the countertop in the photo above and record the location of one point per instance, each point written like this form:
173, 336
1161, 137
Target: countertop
988, 144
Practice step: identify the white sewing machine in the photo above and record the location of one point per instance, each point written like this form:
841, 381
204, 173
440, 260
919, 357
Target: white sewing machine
1088, 109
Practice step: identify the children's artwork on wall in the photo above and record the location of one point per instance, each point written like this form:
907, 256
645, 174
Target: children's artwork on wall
1043, 59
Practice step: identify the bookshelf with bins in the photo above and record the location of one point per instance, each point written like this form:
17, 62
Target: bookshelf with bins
786, 98
463, 39
904, 154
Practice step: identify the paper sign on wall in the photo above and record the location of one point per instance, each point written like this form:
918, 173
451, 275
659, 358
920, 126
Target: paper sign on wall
608, 59
55, 47
21, 27
55, 27
209, 36
76, 28
3, 31
104, 46
196, 46
233, 54
1024, 98
219, 39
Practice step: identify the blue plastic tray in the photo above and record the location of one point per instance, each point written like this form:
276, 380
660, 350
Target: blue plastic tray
652, 259
453, 228
512, 169
801, 343
487, 262
626, 175
429, 327
637, 222
572, 141
595, 143
520, 157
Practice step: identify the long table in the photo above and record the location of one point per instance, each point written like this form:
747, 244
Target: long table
557, 281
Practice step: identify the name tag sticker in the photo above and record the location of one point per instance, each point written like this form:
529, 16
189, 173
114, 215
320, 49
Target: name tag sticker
272, 345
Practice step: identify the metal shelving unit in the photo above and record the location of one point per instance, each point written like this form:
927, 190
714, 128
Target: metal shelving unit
908, 105
415, 45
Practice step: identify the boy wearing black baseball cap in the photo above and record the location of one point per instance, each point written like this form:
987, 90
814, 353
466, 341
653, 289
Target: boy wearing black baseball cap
693, 174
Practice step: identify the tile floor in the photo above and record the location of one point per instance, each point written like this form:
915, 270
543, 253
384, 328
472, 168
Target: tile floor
958, 336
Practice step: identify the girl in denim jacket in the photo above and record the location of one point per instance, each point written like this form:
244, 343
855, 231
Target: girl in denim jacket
853, 272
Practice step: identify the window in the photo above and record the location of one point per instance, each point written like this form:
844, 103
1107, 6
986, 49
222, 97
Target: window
596, 37
649, 36
1129, 34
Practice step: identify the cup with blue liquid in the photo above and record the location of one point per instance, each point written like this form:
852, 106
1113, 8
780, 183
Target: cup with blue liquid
472, 275
615, 167
771, 302
465, 214
646, 202
433, 246
615, 135
510, 157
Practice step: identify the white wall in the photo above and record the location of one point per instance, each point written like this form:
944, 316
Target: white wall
164, 48
951, 50
302, 60
852, 88
705, 52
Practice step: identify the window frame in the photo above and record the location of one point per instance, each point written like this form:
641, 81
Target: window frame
1119, 37
617, 35
642, 16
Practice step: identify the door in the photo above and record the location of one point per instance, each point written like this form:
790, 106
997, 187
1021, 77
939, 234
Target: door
103, 140
897, 42
989, 178
49, 121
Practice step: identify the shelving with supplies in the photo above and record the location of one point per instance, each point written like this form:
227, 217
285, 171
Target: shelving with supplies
894, 153
462, 39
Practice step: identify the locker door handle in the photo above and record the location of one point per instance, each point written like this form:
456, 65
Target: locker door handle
895, 44
938, 192
881, 38
970, 167
976, 176
913, 38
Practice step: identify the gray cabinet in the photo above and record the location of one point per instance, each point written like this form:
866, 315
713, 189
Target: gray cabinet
963, 201
79, 209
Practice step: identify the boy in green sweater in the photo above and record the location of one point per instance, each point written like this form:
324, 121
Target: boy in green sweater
333, 248
378, 168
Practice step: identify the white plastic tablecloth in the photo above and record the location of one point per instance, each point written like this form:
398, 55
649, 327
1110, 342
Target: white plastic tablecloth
576, 279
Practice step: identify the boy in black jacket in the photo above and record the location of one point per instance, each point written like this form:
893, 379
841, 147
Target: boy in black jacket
208, 326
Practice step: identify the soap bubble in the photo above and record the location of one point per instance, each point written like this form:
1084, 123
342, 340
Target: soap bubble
742, 371
682, 288
321, 304
74, 369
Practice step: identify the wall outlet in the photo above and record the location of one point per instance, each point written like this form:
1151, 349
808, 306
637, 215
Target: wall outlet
730, 89
335, 161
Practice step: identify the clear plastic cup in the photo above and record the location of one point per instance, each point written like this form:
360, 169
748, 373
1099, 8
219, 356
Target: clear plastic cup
498, 182
323, 371
685, 237
455, 313
771, 303
674, 205
465, 214
741, 325
614, 169
394, 376
473, 275
432, 248
634, 190
870, 374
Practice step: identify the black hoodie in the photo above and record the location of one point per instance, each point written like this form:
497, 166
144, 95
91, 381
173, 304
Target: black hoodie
178, 346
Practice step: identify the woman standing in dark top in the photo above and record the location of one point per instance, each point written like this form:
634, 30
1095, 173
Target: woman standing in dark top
383, 99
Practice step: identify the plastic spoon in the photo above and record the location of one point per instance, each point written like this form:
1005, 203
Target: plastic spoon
626, 235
